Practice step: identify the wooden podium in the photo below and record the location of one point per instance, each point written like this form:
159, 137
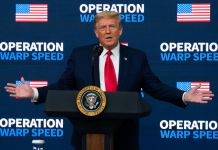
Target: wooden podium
97, 131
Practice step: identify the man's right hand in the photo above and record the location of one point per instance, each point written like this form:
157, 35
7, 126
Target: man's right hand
20, 91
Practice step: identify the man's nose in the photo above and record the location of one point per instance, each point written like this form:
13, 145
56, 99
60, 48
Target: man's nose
108, 30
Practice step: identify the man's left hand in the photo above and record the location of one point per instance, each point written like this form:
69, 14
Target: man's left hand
198, 96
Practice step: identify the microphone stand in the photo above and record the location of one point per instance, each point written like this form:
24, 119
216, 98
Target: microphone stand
96, 52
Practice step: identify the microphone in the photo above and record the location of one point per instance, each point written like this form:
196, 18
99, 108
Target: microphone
96, 52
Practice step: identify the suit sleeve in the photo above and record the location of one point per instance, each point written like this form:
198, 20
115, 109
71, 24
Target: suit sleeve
154, 87
66, 81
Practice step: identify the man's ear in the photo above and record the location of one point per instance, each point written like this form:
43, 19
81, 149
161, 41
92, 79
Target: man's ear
121, 31
96, 33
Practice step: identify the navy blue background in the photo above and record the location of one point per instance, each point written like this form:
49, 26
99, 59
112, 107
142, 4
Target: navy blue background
64, 26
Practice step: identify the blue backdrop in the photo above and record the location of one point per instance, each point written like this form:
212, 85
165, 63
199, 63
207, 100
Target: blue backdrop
147, 29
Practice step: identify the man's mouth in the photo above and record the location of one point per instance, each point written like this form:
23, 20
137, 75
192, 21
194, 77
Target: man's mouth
108, 38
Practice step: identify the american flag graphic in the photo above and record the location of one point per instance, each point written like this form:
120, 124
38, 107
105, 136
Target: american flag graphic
185, 86
124, 43
31, 13
193, 12
34, 84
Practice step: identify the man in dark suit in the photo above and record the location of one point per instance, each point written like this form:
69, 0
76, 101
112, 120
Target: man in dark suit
119, 68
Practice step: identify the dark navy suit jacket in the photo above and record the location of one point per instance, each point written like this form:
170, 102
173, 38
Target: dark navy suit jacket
134, 74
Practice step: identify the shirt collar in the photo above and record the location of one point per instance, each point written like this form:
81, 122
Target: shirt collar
115, 51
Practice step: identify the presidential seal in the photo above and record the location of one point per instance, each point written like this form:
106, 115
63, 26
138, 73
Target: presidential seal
91, 101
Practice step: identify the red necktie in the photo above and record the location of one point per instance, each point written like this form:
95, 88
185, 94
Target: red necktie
109, 74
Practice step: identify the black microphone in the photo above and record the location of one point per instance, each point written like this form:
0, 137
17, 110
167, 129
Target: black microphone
96, 52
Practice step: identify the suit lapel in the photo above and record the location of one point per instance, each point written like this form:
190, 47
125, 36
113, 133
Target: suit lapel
123, 68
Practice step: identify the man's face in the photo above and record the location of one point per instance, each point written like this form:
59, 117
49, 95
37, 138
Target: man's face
108, 32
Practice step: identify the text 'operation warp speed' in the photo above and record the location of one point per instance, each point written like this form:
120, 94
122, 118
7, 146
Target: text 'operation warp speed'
32, 51
15, 127
182, 129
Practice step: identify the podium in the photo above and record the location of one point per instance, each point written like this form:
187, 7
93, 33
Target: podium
98, 130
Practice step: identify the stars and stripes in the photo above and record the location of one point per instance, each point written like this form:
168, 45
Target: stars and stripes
193, 12
34, 84
31, 13
186, 86
124, 43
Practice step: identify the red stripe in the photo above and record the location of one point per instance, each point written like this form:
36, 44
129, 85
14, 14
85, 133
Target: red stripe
39, 5
194, 7
196, 13
193, 20
38, 81
31, 20
42, 12
32, 15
